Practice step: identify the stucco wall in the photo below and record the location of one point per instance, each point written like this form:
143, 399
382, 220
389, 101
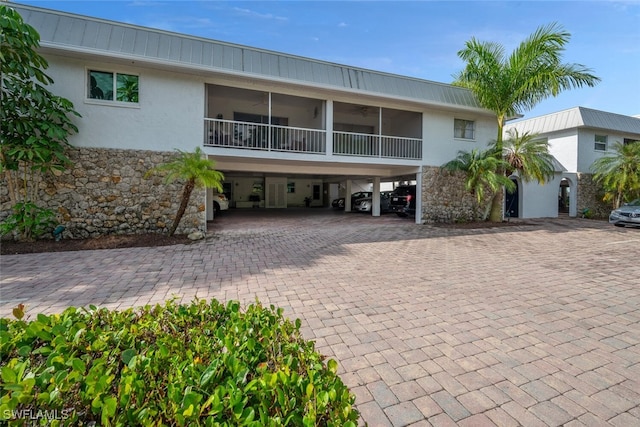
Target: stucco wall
105, 192
539, 200
439, 144
168, 116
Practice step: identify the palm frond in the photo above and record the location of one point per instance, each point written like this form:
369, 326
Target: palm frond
619, 172
528, 154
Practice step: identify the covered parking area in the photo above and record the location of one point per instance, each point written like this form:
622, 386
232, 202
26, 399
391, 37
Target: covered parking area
288, 183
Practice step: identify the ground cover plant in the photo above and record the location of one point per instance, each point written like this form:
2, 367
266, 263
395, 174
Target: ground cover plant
204, 363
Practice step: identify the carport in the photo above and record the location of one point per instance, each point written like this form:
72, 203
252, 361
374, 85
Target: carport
286, 183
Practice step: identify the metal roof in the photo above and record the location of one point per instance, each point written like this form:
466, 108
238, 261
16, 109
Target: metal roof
578, 117
86, 35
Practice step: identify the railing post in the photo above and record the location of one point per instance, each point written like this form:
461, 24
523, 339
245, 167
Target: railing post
328, 136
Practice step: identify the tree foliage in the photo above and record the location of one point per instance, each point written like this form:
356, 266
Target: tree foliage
481, 169
196, 170
528, 154
513, 84
34, 123
619, 173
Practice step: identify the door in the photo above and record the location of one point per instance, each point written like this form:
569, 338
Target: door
276, 194
511, 202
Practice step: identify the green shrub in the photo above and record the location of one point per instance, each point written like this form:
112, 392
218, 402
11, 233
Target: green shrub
185, 365
29, 220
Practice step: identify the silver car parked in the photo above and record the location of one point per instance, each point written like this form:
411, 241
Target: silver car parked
364, 204
627, 214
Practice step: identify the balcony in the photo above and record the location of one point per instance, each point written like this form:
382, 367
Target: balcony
256, 136
367, 145
266, 137
246, 119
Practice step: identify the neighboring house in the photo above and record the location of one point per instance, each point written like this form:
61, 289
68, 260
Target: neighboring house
280, 127
577, 137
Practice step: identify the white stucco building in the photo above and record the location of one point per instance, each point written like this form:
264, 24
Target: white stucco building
280, 127
576, 137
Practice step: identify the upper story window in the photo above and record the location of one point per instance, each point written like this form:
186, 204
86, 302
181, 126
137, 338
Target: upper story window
600, 143
464, 129
110, 86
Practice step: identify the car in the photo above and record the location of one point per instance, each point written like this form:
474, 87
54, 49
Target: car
403, 200
220, 202
339, 203
364, 204
627, 214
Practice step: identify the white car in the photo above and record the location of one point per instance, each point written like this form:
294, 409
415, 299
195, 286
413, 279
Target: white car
220, 202
364, 204
627, 214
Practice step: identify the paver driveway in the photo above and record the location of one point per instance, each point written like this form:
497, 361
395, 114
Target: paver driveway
536, 324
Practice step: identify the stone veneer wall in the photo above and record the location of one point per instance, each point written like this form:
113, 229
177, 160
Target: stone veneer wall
444, 198
105, 192
590, 196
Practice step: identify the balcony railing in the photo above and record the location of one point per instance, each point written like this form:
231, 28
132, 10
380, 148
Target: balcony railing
257, 136
367, 145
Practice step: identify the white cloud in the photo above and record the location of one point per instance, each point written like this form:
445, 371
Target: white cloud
259, 15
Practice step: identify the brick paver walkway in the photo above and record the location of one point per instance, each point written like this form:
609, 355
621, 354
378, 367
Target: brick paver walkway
536, 324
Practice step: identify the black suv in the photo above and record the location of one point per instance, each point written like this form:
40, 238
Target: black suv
403, 200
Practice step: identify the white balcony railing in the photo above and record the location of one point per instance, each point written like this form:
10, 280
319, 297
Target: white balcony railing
256, 136
367, 145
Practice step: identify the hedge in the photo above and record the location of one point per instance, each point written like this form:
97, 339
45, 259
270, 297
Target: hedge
185, 365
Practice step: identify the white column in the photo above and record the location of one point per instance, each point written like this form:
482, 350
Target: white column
419, 196
329, 126
347, 197
375, 200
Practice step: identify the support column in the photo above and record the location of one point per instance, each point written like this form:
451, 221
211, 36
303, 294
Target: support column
375, 199
329, 126
347, 197
419, 186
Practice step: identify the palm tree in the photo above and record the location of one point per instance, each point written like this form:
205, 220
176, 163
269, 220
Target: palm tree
619, 173
197, 171
528, 154
481, 173
511, 85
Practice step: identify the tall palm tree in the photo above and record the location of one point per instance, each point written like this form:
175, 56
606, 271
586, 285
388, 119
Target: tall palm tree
481, 173
511, 85
619, 173
196, 170
528, 154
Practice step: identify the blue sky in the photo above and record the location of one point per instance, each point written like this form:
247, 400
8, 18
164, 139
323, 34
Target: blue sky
413, 38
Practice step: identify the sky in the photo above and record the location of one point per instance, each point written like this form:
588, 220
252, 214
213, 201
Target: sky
410, 38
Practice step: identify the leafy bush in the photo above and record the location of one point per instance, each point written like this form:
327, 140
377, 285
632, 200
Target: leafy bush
199, 364
29, 220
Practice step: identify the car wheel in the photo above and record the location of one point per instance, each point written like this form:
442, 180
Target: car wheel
216, 207
401, 214
619, 225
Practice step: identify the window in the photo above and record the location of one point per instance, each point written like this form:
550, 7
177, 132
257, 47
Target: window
104, 84
291, 187
463, 129
600, 143
630, 141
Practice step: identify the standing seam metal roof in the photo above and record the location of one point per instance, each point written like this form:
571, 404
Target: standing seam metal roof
61, 30
579, 117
